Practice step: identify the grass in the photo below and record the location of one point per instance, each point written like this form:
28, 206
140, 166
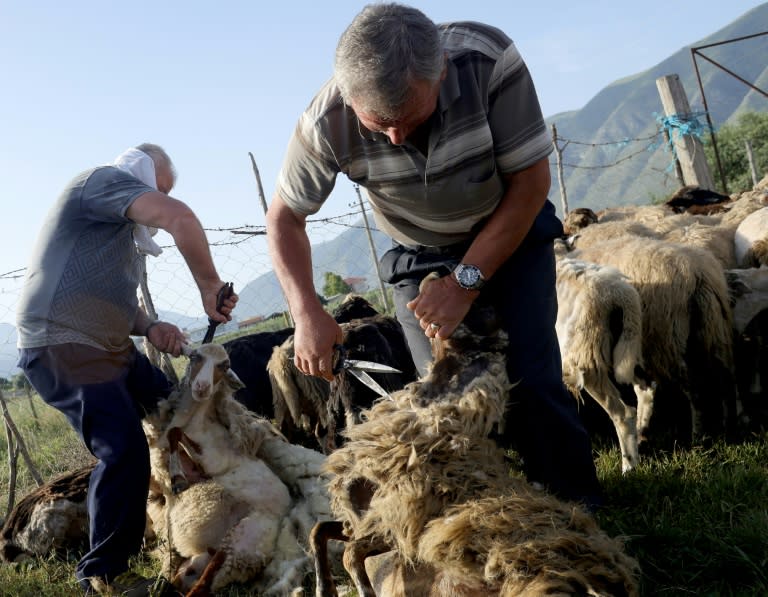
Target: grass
696, 519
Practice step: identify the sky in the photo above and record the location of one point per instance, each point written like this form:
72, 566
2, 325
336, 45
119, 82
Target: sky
213, 81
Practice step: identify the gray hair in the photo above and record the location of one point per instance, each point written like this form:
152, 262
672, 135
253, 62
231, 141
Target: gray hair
159, 156
384, 50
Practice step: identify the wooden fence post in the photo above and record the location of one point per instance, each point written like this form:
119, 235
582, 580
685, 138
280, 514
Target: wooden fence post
560, 178
752, 164
287, 313
372, 245
688, 148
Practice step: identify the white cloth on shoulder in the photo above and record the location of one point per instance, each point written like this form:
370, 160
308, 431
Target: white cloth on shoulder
139, 165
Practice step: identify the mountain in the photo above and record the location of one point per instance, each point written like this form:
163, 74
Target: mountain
627, 109
344, 255
613, 155
602, 132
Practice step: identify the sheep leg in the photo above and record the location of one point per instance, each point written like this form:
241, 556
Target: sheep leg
202, 588
354, 563
645, 394
184, 470
321, 533
624, 419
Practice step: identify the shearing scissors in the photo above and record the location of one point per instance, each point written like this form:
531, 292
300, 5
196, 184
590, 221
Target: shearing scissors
360, 368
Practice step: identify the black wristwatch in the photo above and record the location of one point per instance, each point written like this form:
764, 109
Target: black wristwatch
469, 276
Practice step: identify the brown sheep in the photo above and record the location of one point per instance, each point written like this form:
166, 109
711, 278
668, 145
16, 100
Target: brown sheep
420, 477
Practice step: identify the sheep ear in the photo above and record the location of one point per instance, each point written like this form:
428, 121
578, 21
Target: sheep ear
233, 380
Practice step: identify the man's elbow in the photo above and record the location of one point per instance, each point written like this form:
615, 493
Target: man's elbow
281, 215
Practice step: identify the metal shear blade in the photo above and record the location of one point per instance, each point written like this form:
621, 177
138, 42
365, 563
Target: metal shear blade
368, 381
358, 369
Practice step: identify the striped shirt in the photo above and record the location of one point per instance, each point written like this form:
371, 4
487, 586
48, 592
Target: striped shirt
487, 123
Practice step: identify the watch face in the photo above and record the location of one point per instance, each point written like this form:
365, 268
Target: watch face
468, 275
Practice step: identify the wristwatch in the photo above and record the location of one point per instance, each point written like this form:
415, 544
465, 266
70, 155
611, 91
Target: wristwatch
469, 276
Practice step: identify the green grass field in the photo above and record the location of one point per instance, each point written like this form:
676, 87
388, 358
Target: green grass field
696, 519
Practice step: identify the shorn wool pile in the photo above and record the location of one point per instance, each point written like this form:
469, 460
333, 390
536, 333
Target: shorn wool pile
421, 479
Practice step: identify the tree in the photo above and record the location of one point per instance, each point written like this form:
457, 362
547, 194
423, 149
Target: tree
20, 382
731, 145
335, 284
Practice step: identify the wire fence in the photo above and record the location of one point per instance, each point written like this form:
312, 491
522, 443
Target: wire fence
241, 254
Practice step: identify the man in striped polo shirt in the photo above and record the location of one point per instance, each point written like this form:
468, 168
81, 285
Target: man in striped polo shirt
442, 127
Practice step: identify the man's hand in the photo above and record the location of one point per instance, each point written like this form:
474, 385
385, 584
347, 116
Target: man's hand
313, 344
209, 293
441, 306
166, 337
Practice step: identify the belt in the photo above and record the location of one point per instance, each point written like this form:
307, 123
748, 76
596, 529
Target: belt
455, 249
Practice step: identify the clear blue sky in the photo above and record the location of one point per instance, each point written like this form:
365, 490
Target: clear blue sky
212, 81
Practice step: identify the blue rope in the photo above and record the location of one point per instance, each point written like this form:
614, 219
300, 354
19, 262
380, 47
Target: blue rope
679, 125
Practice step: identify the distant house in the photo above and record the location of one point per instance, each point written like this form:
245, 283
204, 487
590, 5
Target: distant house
357, 283
244, 323
197, 335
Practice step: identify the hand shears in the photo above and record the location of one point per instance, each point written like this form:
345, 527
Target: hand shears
359, 369
226, 291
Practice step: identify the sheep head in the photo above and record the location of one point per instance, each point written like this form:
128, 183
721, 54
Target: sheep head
208, 368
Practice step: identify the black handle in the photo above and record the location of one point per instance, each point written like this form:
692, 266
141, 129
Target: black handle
224, 293
340, 355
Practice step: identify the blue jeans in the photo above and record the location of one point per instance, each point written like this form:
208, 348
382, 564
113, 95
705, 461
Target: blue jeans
542, 423
104, 395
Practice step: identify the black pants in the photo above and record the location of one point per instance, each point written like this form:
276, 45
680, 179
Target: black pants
542, 424
104, 395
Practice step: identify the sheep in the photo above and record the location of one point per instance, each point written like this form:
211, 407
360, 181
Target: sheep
749, 295
249, 356
325, 408
751, 240
233, 497
687, 323
420, 478
577, 219
599, 329
694, 199
53, 517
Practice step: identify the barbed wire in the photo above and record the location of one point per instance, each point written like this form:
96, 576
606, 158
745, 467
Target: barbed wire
241, 253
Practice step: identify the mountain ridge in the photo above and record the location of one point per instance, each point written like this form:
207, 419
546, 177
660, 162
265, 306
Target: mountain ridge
617, 121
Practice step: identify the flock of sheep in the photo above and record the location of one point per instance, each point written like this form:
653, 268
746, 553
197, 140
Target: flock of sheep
654, 306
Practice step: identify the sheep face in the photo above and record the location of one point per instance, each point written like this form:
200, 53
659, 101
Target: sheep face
208, 367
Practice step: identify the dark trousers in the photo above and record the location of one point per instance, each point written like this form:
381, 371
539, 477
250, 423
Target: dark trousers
104, 396
542, 423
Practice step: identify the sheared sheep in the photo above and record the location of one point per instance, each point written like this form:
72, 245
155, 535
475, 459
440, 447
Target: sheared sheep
420, 477
235, 500
53, 517
599, 329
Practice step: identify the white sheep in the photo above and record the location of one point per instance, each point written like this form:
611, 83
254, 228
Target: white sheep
687, 322
751, 240
599, 329
237, 501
